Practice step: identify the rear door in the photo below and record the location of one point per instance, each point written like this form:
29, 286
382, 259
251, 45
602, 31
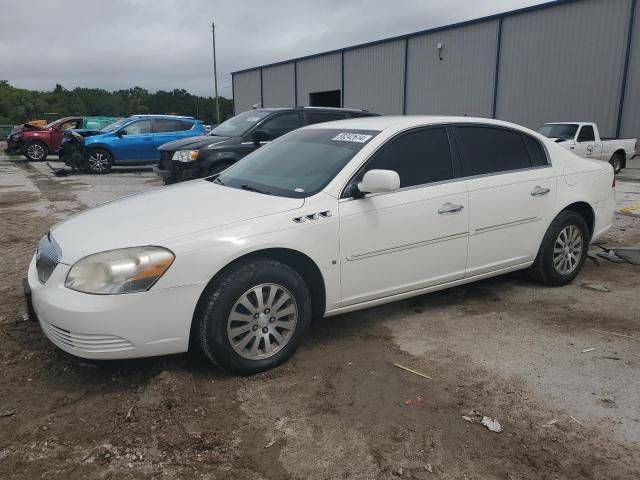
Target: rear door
137, 145
167, 130
512, 192
414, 237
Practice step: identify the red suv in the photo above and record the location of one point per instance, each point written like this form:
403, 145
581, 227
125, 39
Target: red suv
36, 143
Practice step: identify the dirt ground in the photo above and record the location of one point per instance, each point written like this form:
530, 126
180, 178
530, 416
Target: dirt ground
543, 362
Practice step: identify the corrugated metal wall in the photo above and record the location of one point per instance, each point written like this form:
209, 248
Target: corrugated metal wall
374, 78
564, 63
246, 90
631, 111
463, 81
318, 74
278, 86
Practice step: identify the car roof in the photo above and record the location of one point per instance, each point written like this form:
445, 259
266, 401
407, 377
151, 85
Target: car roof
380, 123
314, 109
171, 117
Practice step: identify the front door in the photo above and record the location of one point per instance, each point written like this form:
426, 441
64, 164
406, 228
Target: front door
136, 145
408, 239
512, 191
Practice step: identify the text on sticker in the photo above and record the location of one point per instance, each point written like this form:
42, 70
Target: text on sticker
351, 137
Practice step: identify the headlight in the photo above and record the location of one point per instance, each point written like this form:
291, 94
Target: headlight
126, 270
185, 155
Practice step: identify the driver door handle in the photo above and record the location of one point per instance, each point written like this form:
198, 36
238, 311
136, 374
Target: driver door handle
536, 192
450, 208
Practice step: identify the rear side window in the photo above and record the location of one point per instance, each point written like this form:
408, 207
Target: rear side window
490, 150
419, 157
161, 125
320, 117
586, 134
536, 151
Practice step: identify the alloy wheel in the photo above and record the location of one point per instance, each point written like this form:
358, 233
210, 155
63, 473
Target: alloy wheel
262, 321
98, 162
567, 250
35, 151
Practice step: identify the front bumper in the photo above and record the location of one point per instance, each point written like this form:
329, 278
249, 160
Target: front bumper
104, 327
13, 147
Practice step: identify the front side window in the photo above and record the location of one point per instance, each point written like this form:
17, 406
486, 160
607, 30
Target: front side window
298, 165
586, 134
115, 125
486, 150
140, 127
281, 124
419, 157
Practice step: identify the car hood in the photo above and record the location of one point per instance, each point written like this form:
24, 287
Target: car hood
193, 142
25, 127
156, 216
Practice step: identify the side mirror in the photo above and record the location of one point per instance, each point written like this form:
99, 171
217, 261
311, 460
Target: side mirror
122, 132
379, 181
261, 136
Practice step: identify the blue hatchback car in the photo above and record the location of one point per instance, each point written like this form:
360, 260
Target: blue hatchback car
135, 140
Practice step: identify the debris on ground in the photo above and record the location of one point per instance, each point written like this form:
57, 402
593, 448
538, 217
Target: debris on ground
587, 350
8, 413
270, 444
614, 333
551, 423
595, 287
411, 401
473, 416
577, 421
412, 371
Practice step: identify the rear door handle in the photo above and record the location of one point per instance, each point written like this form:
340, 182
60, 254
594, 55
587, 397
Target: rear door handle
536, 192
450, 208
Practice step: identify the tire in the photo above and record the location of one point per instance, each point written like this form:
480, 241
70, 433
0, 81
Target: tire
98, 161
616, 162
36, 151
235, 337
563, 250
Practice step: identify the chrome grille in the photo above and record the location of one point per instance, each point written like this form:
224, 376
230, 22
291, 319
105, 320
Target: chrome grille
47, 257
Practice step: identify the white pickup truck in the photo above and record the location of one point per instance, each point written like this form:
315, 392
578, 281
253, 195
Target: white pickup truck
583, 139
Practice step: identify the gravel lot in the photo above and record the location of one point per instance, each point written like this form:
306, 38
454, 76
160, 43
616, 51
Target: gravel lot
538, 360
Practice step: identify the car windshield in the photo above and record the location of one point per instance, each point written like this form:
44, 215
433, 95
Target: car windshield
563, 131
240, 124
297, 165
112, 126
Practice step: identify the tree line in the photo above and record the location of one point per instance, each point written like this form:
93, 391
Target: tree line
18, 105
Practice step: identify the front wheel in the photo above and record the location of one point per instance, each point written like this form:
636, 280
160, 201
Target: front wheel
616, 162
36, 151
563, 250
98, 161
254, 317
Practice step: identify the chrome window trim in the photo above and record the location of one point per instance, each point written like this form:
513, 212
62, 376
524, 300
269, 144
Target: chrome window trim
442, 182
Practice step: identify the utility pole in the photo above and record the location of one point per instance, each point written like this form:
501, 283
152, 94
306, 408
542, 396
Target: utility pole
215, 73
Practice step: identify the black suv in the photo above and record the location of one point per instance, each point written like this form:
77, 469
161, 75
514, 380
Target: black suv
197, 157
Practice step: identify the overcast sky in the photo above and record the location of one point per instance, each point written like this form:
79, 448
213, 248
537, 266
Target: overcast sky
166, 44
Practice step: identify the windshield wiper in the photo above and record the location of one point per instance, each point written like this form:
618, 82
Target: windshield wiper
246, 186
217, 180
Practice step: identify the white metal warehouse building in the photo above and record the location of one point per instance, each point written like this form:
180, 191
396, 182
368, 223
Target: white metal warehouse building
569, 60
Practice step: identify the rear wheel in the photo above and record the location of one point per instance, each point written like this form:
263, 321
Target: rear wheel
254, 317
563, 250
98, 161
616, 162
35, 151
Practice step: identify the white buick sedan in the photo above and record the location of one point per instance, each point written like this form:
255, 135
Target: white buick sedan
328, 219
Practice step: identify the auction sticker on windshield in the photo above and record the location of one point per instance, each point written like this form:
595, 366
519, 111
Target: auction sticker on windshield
352, 137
